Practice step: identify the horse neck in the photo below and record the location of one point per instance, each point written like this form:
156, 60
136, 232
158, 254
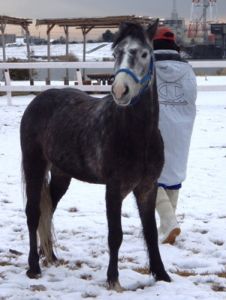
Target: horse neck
148, 105
142, 117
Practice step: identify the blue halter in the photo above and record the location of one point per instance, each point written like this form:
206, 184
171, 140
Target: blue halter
144, 81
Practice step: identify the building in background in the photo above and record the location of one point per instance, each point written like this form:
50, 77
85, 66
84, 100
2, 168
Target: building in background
219, 32
176, 23
203, 37
203, 13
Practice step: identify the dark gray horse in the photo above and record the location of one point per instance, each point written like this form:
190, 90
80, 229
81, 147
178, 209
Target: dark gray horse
114, 141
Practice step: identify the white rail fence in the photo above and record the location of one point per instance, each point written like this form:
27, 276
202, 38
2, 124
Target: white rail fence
8, 86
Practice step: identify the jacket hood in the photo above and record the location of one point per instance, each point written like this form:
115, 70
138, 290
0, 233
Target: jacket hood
171, 70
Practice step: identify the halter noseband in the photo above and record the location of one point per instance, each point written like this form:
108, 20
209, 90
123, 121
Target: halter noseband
144, 81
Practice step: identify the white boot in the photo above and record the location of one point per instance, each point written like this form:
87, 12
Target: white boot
169, 228
173, 197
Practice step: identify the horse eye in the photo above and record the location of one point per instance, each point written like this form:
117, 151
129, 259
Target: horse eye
144, 55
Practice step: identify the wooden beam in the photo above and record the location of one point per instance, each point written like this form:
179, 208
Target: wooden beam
25, 27
66, 31
104, 22
49, 28
85, 31
14, 21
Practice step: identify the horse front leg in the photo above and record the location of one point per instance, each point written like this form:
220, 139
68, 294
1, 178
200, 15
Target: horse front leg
146, 198
113, 206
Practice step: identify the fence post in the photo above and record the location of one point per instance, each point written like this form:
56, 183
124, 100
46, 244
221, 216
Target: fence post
8, 84
79, 76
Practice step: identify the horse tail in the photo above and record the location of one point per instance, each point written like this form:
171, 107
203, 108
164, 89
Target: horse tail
45, 228
23, 185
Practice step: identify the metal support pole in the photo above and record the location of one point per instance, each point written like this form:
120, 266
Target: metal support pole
49, 28
2, 28
25, 27
85, 31
66, 30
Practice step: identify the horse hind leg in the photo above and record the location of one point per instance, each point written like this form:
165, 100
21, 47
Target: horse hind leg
45, 226
34, 168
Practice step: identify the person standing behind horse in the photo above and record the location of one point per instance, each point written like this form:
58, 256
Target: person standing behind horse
177, 91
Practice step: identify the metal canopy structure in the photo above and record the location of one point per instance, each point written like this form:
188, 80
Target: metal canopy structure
102, 22
24, 23
87, 24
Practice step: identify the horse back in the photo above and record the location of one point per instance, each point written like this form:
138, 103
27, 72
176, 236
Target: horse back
69, 127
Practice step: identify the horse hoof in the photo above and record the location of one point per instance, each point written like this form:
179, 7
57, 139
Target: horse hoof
33, 275
162, 277
115, 286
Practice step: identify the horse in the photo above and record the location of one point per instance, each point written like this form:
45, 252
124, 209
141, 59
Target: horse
114, 140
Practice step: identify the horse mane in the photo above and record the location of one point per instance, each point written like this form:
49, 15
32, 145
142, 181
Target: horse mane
134, 30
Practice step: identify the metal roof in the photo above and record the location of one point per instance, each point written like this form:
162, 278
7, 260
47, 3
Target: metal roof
102, 22
14, 21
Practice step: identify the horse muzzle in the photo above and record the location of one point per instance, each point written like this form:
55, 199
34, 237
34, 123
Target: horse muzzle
124, 89
120, 93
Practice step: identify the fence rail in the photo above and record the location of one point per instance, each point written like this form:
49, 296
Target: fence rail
10, 86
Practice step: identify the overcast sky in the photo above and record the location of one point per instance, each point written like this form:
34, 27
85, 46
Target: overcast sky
38, 9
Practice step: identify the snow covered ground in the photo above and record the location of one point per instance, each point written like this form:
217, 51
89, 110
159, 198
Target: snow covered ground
56, 50
196, 263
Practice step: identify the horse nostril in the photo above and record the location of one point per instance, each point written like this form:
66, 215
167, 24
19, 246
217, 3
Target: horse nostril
126, 90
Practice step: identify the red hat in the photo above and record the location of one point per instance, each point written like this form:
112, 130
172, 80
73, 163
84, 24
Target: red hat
164, 33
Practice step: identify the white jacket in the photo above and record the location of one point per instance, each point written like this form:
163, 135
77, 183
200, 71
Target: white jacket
177, 91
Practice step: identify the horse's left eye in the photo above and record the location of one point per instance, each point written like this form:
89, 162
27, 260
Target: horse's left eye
144, 55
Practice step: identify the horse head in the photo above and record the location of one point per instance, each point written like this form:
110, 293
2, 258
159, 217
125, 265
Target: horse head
133, 53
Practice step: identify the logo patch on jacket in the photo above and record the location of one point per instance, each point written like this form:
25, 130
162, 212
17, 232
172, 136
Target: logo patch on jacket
171, 93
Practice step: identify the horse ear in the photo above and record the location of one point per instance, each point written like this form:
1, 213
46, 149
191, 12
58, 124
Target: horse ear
151, 30
123, 26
